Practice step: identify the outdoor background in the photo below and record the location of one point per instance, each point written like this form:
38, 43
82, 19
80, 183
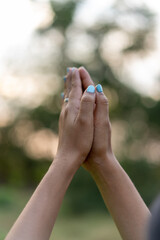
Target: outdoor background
118, 42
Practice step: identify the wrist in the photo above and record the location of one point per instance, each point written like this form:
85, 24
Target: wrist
106, 172
67, 163
102, 164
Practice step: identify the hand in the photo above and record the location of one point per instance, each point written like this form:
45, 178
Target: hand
76, 121
101, 147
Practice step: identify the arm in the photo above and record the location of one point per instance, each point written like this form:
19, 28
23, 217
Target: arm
75, 140
38, 217
120, 195
122, 199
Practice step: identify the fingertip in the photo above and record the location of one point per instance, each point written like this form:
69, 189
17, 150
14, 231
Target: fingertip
90, 89
102, 106
88, 102
75, 74
82, 71
85, 77
81, 68
100, 96
70, 70
89, 95
99, 88
73, 69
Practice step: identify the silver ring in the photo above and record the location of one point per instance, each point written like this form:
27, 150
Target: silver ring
66, 99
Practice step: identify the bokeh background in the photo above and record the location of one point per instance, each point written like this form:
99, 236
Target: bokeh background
118, 41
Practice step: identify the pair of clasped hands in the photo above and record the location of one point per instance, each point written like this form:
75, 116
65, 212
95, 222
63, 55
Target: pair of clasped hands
84, 139
84, 126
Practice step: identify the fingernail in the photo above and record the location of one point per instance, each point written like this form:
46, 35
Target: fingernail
67, 70
91, 89
64, 78
73, 69
99, 88
62, 95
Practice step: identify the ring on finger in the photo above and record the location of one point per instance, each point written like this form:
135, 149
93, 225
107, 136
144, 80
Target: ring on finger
66, 99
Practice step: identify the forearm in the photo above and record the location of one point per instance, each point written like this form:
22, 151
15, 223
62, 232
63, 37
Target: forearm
38, 217
122, 200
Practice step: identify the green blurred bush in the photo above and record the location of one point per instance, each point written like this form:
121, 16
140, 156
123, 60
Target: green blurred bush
19, 169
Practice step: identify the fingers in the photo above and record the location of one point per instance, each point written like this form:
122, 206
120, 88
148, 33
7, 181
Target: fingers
102, 107
67, 86
67, 82
85, 78
76, 87
73, 94
78, 105
87, 105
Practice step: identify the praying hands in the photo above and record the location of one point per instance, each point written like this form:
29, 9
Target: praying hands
84, 140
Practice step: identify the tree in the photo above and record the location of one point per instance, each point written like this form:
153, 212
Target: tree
134, 116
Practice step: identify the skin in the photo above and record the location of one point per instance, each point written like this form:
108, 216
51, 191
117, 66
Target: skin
84, 139
38, 217
119, 194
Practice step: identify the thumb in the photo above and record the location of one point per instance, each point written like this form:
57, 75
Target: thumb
87, 104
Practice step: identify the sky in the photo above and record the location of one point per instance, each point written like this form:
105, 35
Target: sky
18, 23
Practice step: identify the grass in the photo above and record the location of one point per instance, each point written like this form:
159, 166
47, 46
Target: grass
87, 226
91, 226
12, 201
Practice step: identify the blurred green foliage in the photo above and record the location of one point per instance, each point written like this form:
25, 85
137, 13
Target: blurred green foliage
18, 168
87, 226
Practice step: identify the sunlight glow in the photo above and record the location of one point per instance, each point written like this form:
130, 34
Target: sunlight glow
18, 20
30, 92
97, 10
42, 144
143, 71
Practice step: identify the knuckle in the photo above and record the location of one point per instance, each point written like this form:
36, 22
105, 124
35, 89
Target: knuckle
83, 120
76, 83
87, 99
104, 100
69, 108
106, 123
73, 98
73, 105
